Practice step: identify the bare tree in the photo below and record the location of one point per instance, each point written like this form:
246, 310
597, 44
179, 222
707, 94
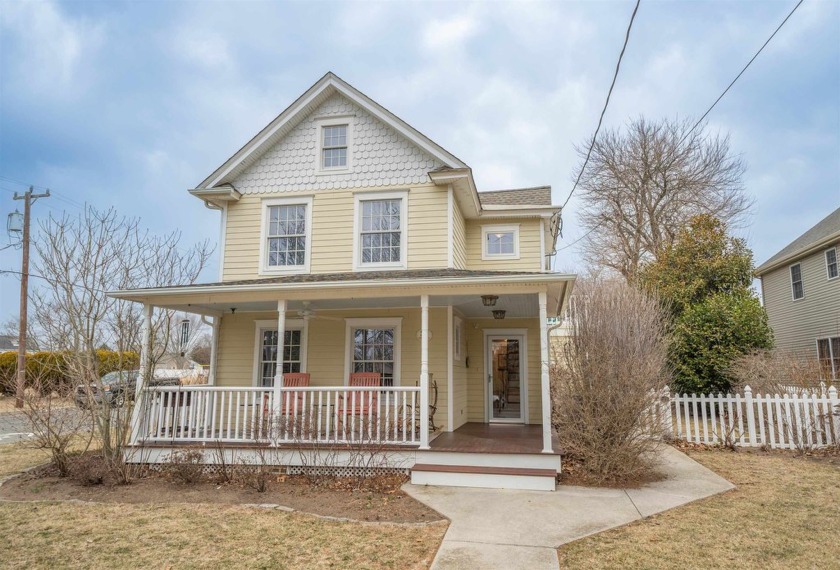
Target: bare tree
611, 371
82, 258
642, 184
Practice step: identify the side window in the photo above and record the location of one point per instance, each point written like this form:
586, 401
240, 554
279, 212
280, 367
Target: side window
796, 282
831, 262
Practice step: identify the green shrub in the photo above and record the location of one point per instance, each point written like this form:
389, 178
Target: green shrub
709, 336
50, 370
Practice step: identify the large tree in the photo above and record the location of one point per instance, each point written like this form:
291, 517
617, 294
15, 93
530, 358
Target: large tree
704, 277
643, 183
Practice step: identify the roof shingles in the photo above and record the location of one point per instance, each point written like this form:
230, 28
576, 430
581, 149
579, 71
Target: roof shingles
823, 229
537, 196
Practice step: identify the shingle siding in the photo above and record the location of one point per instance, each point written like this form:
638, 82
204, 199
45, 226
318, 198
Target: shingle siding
797, 324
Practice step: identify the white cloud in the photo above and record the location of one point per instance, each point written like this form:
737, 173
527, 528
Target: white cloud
203, 47
442, 36
52, 51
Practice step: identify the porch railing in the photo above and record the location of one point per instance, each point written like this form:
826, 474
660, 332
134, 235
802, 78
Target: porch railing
312, 415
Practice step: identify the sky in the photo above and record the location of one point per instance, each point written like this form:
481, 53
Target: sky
129, 104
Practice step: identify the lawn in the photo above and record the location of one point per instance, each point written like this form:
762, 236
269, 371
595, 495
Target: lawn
784, 513
111, 535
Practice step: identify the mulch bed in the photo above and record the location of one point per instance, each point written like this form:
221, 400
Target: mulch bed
380, 499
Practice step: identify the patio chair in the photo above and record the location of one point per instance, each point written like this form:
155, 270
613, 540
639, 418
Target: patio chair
364, 401
287, 404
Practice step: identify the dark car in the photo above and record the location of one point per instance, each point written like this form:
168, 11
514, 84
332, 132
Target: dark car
117, 388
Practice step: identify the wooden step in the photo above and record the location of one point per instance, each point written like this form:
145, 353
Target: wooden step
484, 477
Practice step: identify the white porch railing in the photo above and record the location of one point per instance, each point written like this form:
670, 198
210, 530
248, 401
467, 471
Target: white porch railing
312, 415
801, 420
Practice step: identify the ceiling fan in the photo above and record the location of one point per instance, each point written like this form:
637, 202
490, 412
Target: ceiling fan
308, 312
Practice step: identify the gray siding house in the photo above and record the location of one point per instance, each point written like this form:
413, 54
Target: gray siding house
801, 290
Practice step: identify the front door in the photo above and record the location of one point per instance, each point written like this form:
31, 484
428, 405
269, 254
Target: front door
505, 378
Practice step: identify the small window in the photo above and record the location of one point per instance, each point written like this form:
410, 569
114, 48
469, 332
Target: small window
268, 355
828, 351
796, 282
334, 146
500, 242
831, 262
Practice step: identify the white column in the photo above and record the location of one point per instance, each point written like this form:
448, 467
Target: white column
545, 386
281, 337
143, 370
214, 350
424, 372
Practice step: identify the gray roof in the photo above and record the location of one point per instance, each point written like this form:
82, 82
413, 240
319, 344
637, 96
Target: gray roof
305, 278
824, 229
537, 196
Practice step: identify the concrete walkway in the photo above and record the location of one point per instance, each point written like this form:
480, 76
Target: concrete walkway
522, 529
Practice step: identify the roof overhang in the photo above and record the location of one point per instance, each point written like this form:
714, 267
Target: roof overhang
463, 188
212, 299
767, 267
217, 198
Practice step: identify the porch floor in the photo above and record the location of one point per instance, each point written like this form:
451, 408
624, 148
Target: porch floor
492, 438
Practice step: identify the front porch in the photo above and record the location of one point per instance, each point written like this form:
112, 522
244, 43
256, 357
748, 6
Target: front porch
450, 355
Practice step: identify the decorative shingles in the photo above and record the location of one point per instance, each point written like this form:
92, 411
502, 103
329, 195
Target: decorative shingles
538, 196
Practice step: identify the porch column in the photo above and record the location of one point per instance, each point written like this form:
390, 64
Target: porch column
214, 350
544, 374
424, 372
281, 337
144, 373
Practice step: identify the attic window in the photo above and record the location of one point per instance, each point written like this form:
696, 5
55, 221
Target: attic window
334, 146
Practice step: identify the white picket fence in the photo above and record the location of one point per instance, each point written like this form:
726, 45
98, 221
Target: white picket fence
806, 419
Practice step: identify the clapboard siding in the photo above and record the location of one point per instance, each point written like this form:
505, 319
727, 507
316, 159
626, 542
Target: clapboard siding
797, 324
459, 237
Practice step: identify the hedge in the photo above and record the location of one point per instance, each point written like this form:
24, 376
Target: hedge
51, 368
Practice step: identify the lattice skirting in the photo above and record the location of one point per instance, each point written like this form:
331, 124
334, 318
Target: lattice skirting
345, 471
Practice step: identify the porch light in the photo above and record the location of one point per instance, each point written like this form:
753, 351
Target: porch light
499, 314
489, 300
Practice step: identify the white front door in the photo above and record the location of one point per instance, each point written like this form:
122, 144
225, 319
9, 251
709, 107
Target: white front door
506, 382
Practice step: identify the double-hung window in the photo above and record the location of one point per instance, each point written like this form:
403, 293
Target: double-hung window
380, 239
293, 352
334, 145
374, 346
831, 262
500, 242
828, 351
286, 234
796, 282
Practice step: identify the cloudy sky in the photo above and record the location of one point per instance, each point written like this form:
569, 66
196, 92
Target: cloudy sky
130, 104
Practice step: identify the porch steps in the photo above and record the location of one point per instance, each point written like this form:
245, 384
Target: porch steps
484, 476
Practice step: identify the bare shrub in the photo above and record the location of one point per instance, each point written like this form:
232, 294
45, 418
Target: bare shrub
609, 374
187, 465
225, 469
56, 424
776, 372
257, 475
88, 469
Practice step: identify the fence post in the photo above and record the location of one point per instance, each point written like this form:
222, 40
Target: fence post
834, 412
748, 398
666, 418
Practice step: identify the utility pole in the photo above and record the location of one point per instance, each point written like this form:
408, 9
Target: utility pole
28, 199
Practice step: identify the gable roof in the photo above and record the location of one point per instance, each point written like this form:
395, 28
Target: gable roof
822, 234
537, 196
325, 87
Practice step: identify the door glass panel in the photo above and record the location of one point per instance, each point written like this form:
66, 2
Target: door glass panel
505, 380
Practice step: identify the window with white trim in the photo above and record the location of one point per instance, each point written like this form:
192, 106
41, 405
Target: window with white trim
374, 346
831, 262
334, 146
828, 351
380, 240
292, 359
286, 235
500, 242
796, 282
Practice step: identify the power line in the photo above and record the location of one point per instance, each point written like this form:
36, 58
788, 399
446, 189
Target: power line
606, 103
709, 110
53, 281
728, 87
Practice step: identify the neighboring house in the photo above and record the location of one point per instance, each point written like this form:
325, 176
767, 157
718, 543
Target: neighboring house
369, 246
9, 343
801, 290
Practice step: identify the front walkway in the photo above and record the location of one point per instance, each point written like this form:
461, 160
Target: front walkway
509, 529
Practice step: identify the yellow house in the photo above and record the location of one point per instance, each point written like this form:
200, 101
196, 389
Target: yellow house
370, 247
